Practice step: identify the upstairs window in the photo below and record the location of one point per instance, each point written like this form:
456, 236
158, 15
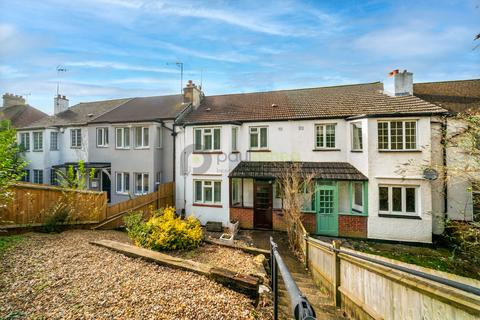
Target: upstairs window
75, 138
53, 140
325, 136
122, 138
102, 137
207, 191
234, 139
357, 142
398, 200
159, 137
207, 139
25, 141
258, 138
141, 137
397, 135
37, 141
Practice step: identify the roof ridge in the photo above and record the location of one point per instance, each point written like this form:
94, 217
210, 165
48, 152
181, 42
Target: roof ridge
298, 89
460, 80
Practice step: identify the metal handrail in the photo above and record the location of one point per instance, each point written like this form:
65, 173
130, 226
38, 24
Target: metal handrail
301, 308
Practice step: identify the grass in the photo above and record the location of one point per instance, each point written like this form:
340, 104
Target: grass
7, 242
438, 258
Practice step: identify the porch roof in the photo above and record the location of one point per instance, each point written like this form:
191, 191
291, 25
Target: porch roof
322, 170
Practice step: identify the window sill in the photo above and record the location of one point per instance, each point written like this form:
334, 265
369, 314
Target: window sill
54, 149
140, 194
359, 214
235, 151
401, 151
75, 147
207, 205
356, 151
326, 149
39, 150
122, 193
126, 148
102, 146
259, 150
207, 152
400, 216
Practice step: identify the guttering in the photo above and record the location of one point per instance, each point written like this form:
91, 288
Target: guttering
396, 115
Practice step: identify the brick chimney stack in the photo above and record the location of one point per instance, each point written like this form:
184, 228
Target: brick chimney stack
60, 104
10, 99
192, 94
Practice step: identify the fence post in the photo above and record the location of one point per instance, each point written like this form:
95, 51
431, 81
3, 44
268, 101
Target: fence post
305, 238
336, 284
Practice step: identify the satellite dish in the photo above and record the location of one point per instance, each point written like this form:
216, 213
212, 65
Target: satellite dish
430, 174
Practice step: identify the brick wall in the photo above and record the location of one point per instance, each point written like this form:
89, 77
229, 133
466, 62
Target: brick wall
278, 221
309, 221
244, 215
352, 226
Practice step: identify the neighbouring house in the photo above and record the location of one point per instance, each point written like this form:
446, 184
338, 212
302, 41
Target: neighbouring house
127, 142
19, 113
356, 138
458, 197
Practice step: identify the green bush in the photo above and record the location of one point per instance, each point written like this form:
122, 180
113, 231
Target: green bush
164, 230
57, 217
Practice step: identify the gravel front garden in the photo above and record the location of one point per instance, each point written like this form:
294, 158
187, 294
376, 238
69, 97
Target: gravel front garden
62, 276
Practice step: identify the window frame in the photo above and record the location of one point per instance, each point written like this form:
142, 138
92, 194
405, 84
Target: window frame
105, 138
211, 185
124, 182
143, 145
403, 135
54, 147
143, 186
40, 133
403, 211
354, 129
38, 173
25, 147
234, 139
259, 137
159, 137
324, 134
203, 134
75, 139
123, 135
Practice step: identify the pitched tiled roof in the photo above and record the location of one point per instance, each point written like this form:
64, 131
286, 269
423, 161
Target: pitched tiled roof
78, 114
144, 109
324, 102
321, 170
21, 115
457, 96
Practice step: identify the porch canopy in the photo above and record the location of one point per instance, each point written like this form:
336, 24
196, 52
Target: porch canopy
273, 169
88, 165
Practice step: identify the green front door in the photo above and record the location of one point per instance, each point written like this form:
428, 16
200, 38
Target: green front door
327, 209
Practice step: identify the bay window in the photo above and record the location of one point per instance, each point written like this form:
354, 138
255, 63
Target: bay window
25, 141
102, 137
207, 139
75, 138
37, 141
122, 138
357, 142
141, 137
397, 135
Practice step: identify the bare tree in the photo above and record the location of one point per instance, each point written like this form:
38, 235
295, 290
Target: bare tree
296, 187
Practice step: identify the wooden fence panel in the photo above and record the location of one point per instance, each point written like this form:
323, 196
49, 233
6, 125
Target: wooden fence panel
370, 290
163, 197
33, 203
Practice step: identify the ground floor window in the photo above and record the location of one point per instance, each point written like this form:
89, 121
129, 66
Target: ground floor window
398, 199
54, 177
207, 191
357, 201
26, 176
141, 183
123, 182
38, 176
236, 192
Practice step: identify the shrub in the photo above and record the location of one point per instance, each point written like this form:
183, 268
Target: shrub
164, 230
58, 215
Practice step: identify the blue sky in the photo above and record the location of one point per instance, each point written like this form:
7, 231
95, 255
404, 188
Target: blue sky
120, 48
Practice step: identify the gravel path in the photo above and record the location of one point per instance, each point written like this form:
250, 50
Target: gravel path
62, 276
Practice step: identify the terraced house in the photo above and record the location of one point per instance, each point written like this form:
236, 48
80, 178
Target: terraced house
355, 138
127, 142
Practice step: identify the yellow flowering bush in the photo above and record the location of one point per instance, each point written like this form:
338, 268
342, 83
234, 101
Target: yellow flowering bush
164, 230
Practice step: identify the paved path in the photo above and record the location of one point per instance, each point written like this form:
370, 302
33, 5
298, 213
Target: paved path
317, 296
